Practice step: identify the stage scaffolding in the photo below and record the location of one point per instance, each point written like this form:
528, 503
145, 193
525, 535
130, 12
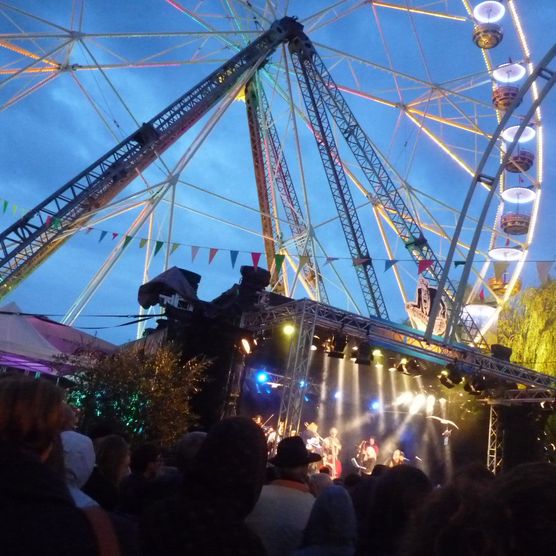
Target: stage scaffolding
306, 315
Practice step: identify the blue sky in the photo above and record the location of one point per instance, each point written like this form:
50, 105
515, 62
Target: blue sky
52, 134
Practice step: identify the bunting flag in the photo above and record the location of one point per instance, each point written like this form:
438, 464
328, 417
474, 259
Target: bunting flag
459, 263
175, 246
157, 247
5, 207
507, 242
115, 235
233, 257
543, 270
389, 263
88, 230
48, 221
194, 251
102, 236
126, 241
57, 223
330, 260
482, 294
500, 268
361, 261
256, 257
14, 209
212, 253
278, 262
142, 243
303, 260
424, 265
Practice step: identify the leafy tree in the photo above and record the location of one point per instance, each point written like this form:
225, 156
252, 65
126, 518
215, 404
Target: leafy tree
528, 326
147, 394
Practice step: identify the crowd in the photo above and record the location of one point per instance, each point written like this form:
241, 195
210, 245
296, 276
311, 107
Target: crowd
64, 493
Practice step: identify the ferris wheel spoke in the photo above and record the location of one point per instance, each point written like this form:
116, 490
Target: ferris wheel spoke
20, 96
34, 17
418, 11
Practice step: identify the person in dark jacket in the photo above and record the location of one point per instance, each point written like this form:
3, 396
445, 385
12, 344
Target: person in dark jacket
221, 489
37, 513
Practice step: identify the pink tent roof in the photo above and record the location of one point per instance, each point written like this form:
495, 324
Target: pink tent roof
39, 344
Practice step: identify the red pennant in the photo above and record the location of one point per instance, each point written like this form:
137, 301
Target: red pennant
482, 294
48, 220
507, 242
212, 253
255, 257
424, 265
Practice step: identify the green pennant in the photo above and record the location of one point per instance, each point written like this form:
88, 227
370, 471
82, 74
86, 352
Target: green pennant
175, 246
158, 247
278, 262
142, 243
126, 241
57, 223
14, 209
5, 206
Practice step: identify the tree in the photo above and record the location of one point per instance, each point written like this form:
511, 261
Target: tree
528, 326
146, 394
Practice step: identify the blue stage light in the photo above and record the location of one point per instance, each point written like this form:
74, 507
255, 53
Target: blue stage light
262, 377
375, 405
338, 395
301, 383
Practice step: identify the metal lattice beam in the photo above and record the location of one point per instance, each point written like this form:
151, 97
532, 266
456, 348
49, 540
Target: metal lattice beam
341, 193
495, 441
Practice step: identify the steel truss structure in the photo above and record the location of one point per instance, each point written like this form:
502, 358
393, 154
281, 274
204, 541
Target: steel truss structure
495, 441
306, 314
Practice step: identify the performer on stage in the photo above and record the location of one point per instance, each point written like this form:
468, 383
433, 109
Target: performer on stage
367, 455
331, 452
273, 438
398, 458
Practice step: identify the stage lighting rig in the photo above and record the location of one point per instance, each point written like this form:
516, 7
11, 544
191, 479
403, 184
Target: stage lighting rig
450, 376
409, 367
337, 345
363, 355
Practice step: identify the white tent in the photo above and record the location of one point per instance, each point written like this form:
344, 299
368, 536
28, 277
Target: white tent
40, 345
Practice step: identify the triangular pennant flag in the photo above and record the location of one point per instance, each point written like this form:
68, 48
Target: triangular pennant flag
14, 209
194, 251
102, 236
357, 261
543, 270
212, 253
459, 263
157, 247
142, 243
499, 268
424, 265
5, 207
507, 242
389, 263
255, 257
48, 221
175, 246
115, 235
233, 257
330, 260
57, 223
303, 260
278, 262
127, 240
88, 230
482, 294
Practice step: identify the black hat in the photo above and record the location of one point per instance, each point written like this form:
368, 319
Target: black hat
292, 453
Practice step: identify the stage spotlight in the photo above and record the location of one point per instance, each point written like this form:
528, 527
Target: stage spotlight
338, 395
246, 346
262, 377
337, 346
413, 368
288, 329
377, 353
405, 398
375, 405
363, 354
449, 376
431, 400
471, 387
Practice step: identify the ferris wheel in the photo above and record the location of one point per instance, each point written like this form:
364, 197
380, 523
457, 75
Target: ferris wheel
426, 84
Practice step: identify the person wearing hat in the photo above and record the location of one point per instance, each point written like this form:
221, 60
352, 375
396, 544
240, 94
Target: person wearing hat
284, 506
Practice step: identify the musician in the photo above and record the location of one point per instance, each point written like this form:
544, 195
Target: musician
311, 436
331, 451
258, 420
367, 455
398, 458
273, 438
